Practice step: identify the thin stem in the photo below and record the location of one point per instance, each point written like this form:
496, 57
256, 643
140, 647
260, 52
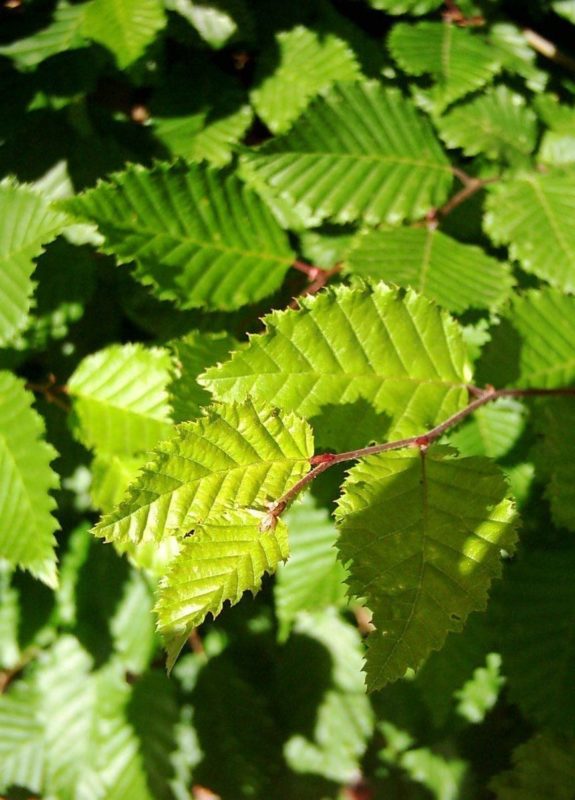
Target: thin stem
548, 49
454, 14
422, 441
317, 277
470, 187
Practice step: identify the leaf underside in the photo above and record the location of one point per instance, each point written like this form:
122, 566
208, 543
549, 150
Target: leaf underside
421, 535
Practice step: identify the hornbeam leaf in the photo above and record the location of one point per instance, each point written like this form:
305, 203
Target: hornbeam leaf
194, 352
199, 236
235, 456
26, 522
535, 612
294, 69
21, 739
121, 399
532, 215
216, 21
542, 767
221, 560
125, 27
359, 152
457, 276
545, 322
565, 8
497, 124
399, 352
458, 60
416, 7
63, 34
421, 535
26, 224
492, 431
554, 421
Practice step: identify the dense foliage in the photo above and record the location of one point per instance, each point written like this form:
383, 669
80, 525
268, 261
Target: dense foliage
287, 289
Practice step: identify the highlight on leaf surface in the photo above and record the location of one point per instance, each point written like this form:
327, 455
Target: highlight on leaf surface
359, 152
199, 236
395, 349
218, 561
421, 534
457, 276
544, 766
236, 455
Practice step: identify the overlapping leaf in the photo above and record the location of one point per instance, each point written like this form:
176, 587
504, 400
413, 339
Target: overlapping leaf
359, 152
26, 479
198, 236
401, 353
294, 70
421, 535
498, 124
312, 579
531, 214
457, 276
554, 421
216, 21
194, 352
64, 33
343, 721
542, 767
458, 60
492, 430
536, 612
545, 322
558, 143
218, 562
405, 6
199, 113
515, 54
235, 456
125, 27
121, 399
26, 224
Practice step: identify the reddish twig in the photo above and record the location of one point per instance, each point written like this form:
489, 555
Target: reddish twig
51, 392
422, 441
470, 187
455, 15
317, 277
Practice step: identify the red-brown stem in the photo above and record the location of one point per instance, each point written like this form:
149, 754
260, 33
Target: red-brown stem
454, 14
317, 277
470, 187
422, 441
51, 392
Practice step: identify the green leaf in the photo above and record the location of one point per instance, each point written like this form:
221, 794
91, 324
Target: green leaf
557, 144
421, 534
26, 522
235, 456
565, 8
111, 476
26, 224
125, 27
531, 215
21, 739
458, 60
497, 124
313, 579
220, 560
198, 236
401, 353
416, 7
480, 693
294, 69
343, 720
199, 113
63, 34
535, 608
545, 322
517, 57
492, 431
216, 21
457, 276
553, 420
542, 767
121, 399
194, 353
359, 152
